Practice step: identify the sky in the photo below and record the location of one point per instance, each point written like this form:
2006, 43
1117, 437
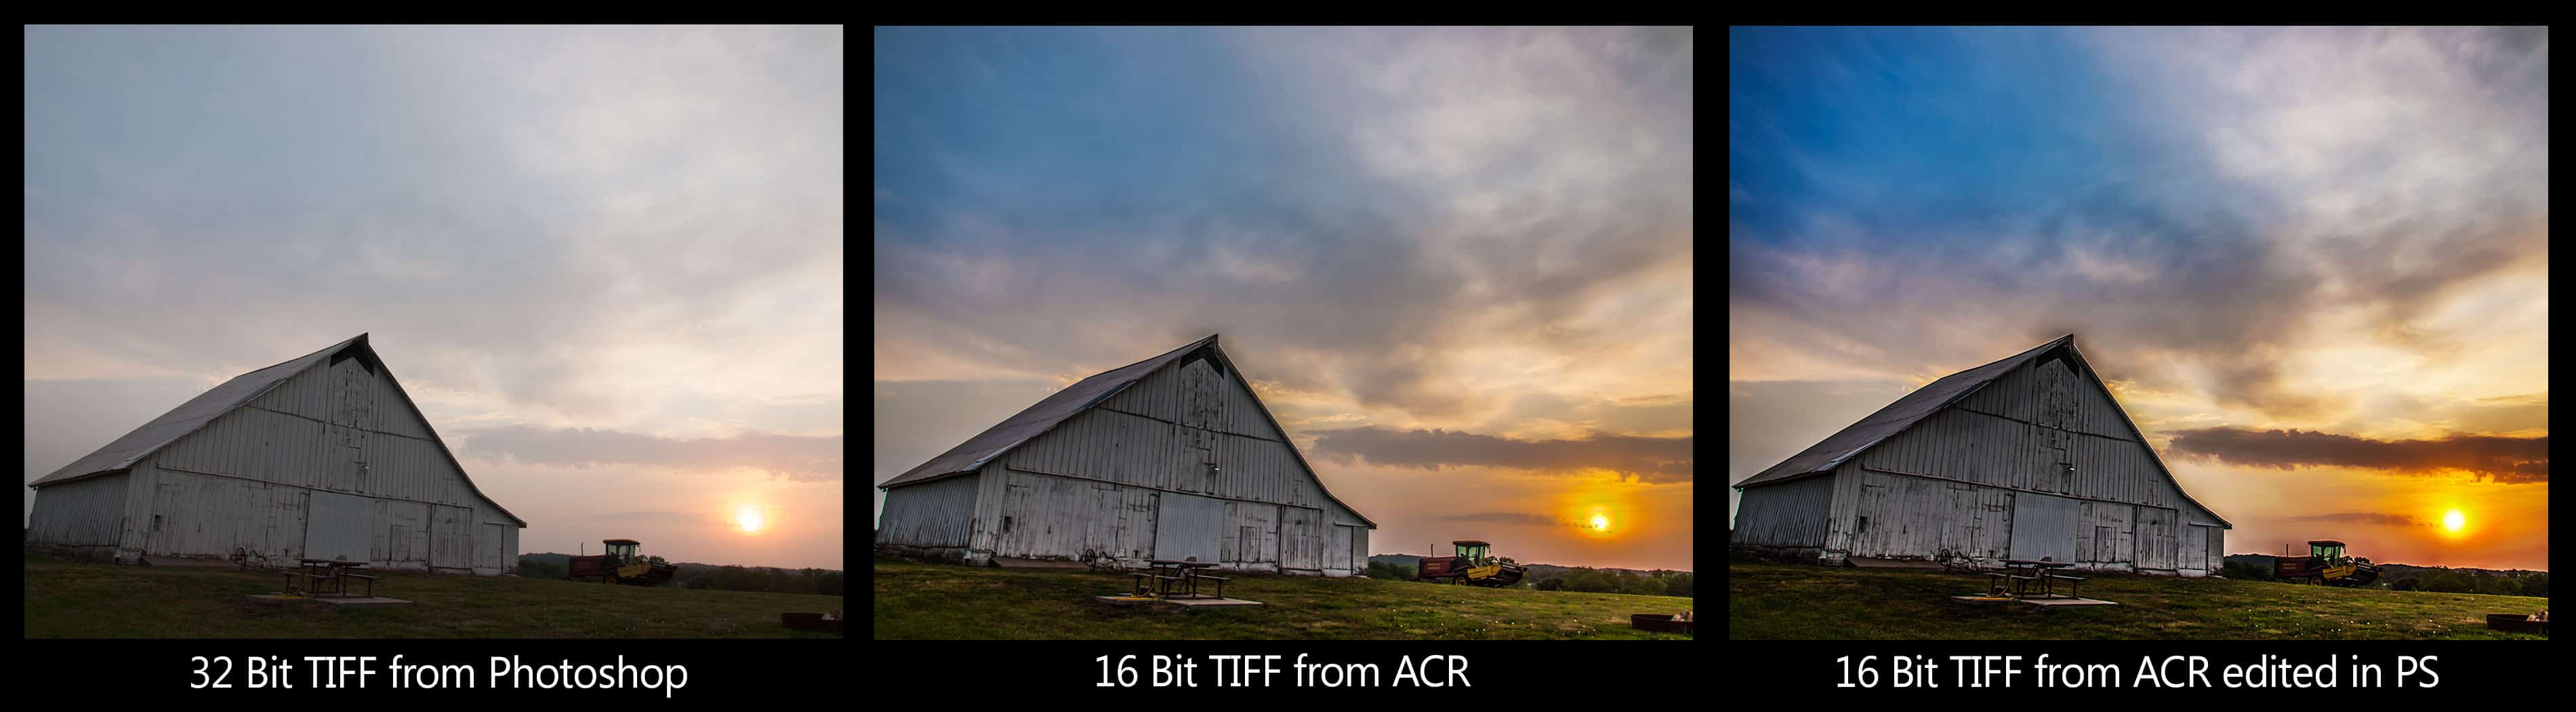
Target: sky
2312, 263
606, 262
1454, 263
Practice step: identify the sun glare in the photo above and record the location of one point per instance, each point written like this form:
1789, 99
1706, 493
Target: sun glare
749, 519
2453, 520
1600, 523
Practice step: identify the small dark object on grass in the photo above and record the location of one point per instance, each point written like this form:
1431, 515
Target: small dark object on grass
811, 621
1659, 622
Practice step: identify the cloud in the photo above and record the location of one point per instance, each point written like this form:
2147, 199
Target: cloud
2214, 189
1039, 244
1502, 517
800, 458
2505, 460
1650, 459
585, 219
673, 517
2402, 520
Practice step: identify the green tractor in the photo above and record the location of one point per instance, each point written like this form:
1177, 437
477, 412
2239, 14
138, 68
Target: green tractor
1470, 566
2325, 564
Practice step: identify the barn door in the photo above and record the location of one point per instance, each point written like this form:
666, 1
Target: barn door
2157, 539
488, 549
451, 538
1297, 535
2043, 526
1869, 537
1187, 526
353, 409
339, 526
1015, 539
2055, 417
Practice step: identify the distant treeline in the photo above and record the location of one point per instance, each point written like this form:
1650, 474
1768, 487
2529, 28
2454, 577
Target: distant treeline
1583, 579
705, 576
2402, 577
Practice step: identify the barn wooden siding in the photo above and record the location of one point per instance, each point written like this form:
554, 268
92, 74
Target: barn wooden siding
1985, 480
1120, 482
328, 460
82, 516
931, 519
245, 480
1789, 516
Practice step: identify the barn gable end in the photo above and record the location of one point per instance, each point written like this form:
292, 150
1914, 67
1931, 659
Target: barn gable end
2026, 457
1172, 457
324, 454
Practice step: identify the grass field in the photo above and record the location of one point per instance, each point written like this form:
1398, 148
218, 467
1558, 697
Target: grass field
1793, 601
942, 601
67, 599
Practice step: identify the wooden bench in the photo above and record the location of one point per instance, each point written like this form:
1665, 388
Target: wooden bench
1220, 583
313, 583
371, 583
2071, 582
2021, 584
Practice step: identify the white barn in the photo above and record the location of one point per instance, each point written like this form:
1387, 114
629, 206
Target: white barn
1172, 457
2023, 458
323, 457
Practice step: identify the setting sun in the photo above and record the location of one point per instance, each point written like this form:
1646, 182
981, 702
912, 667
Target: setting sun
749, 519
1600, 522
2454, 520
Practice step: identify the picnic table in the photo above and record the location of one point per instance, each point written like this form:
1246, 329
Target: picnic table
2019, 573
327, 577
1167, 577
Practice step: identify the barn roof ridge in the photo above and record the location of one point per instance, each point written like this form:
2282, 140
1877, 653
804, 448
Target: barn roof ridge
1897, 417
1076, 399
227, 397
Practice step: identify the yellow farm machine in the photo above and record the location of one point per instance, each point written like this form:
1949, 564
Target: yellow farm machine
2325, 564
1471, 566
624, 563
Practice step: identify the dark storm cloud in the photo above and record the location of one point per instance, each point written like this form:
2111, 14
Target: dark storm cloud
1650, 459
802, 458
2402, 520
2501, 459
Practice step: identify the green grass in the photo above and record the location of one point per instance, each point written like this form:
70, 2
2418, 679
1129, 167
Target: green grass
945, 601
67, 599
1795, 601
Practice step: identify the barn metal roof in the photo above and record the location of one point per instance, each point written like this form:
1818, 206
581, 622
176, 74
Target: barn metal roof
125, 451
1073, 400
1824, 456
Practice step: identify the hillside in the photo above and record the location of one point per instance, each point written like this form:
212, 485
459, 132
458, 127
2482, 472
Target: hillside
942, 601
67, 599
2390, 571
1535, 570
688, 569
1798, 601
